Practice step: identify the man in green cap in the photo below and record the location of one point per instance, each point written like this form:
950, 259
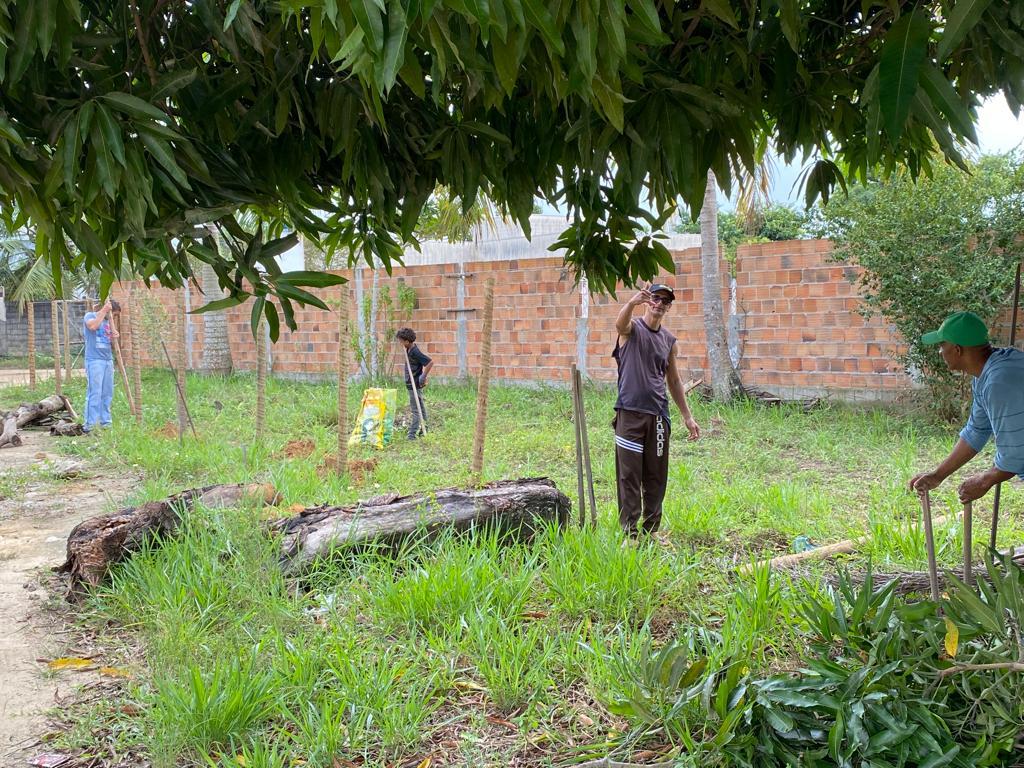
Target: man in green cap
998, 408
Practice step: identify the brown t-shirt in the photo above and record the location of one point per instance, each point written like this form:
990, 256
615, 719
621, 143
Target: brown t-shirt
643, 360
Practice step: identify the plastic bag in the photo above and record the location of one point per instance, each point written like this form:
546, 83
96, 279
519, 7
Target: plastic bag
376, 421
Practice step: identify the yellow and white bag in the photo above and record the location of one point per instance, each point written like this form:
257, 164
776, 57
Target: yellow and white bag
376, 420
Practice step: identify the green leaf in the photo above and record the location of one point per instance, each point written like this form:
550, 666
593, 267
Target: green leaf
134, 106
257, 312
789, 20
172, 82
273, 321
303, 297
537, 12
721, 9
229, 17
368, 17
111, 133
944, 98
219, 304
161, 152
903, 53
647, 12
311, 279
965, 15
394, 46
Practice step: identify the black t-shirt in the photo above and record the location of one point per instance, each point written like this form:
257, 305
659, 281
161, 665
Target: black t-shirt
417, 360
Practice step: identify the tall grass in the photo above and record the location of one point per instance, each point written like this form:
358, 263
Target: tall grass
382, 657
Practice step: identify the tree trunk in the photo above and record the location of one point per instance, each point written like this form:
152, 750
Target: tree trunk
99, 542
343, 342
517, 507
31, 343
483, 385
312, 257
216, 349
364, 370
725, 381
55, 345
26, 414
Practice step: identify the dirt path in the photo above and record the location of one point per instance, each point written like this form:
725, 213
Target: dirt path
47, 495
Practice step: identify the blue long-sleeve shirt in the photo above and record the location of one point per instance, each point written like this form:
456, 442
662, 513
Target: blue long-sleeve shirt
998, 409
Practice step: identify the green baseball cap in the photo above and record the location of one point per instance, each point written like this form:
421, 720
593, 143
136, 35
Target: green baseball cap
963, 328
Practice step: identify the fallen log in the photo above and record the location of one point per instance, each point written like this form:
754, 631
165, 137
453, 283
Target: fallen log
67, 429
97, 543
516, 507
27, 414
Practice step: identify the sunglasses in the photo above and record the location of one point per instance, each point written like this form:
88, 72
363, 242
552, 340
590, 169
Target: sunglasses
664, 301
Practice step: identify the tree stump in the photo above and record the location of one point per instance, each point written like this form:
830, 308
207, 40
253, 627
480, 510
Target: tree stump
516, 507
94, 545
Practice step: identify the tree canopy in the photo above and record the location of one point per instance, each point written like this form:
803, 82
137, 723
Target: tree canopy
130, 129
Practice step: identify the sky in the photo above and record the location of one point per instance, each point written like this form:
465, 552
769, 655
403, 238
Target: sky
998, 131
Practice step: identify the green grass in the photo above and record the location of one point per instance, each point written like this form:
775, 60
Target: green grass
462, 648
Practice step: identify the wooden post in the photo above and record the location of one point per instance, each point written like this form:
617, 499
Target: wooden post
261, 379
586, 449
968, 524
31, 343
343, 342
929, 544
135, 351
582, 500
1013, 340
180, 373
476, 470
67, 342
55, 347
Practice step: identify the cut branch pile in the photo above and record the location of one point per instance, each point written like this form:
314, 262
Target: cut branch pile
94, 545
517, 507
38, 414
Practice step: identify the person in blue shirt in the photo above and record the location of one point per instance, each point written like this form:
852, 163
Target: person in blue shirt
99, 334
997, 411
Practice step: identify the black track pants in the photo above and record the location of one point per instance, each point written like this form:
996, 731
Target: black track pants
641, 469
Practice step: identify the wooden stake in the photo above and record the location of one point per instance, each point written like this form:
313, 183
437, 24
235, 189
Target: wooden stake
929, 543
476, 471
261, 379
179, 375
586, 449
343, 381
31, 343
968, 524
135, 348
55, 347
181, 392
120, 365
67, 342
415, 392
579, 443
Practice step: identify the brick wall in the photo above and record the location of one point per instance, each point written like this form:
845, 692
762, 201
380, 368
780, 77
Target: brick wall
796, 317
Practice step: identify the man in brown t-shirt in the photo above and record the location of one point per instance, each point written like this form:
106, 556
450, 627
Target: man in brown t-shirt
645, 354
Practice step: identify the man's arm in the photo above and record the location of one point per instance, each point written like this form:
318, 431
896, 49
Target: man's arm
624, 322
675, 387
962, 453
97, 320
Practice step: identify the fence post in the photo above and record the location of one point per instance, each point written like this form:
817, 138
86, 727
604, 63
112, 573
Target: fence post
480, 430
31, 343
55, 346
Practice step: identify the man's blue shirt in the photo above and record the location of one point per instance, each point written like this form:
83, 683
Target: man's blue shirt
998, 409
97, 343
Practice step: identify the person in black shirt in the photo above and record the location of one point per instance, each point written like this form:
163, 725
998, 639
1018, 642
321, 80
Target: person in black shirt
420, 366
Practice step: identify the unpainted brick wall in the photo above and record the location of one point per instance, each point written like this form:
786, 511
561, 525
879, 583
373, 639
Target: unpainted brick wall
799, 326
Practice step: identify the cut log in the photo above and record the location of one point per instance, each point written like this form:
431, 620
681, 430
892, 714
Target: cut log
26, 414
516, 507
99, 542
67, 429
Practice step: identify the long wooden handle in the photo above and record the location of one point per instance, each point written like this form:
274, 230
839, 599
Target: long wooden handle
929, 544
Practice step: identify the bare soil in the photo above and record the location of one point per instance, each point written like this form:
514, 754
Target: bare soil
34, 524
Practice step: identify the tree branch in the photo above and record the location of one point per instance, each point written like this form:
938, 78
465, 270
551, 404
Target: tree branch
1009, 666
142, 42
